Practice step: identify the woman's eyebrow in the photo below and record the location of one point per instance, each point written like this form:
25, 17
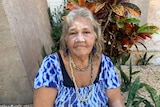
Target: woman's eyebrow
72, 28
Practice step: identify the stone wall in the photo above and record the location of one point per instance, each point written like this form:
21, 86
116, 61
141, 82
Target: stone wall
24, 29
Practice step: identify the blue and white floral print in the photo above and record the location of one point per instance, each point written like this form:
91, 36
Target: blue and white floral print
50, 75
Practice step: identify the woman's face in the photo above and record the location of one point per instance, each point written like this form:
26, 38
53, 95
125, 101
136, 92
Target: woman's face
81, 37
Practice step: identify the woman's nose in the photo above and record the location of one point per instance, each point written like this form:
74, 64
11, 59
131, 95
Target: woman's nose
80, 38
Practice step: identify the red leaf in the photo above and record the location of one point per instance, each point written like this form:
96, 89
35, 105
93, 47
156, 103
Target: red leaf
71, 6
128, 28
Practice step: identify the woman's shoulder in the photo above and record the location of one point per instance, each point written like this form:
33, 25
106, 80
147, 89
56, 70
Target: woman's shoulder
49, 68
106, 58
108, 73
52, 56
107, 64
50, 62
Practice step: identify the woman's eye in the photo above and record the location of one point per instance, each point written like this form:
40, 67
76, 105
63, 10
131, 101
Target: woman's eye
86, 32
72, 33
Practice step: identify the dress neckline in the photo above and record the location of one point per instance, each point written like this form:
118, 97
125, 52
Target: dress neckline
66, 79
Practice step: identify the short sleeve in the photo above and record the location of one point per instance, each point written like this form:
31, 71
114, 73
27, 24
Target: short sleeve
48, 73
109, 74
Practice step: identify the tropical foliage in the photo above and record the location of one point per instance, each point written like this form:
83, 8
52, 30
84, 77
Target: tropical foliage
120, 30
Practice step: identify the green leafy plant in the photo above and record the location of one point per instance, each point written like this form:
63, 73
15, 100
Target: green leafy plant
134, 100
133, 87
153, 94
124, 58
132, 92
56, 25
126, 79
144, 60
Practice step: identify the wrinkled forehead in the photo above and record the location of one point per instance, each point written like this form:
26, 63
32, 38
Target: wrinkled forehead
80, 23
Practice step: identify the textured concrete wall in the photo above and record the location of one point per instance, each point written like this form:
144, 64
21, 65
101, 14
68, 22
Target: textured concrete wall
151, 15
24, 29
154, 19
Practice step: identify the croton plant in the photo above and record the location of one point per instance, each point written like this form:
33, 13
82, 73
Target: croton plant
120, 28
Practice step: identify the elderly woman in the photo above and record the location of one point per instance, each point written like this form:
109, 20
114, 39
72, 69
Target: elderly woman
79, 74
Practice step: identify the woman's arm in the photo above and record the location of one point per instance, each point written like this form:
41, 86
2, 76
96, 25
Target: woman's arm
44, 97
114, 97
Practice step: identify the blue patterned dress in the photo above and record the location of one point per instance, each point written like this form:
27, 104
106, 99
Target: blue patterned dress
52, 73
